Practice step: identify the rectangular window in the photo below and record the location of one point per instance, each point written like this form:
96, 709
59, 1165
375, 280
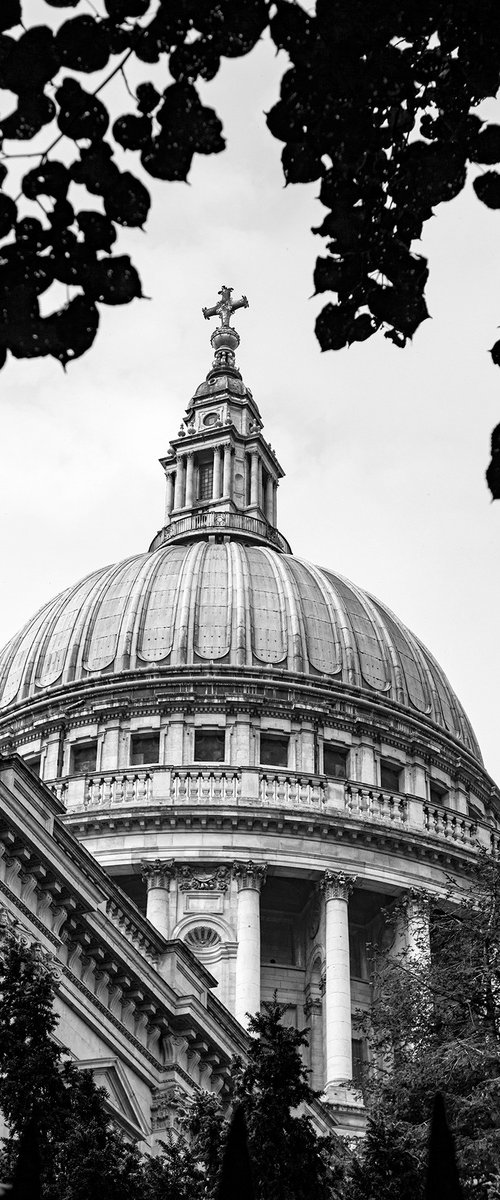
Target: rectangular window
205, 481
437, 792
83, 758
144, 748
273, 750
358, 1059
34, 763
390, 777
334, 761
209, 745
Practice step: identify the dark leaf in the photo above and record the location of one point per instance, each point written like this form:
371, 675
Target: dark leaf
405, 310
10, 14
128, 202
362, 328
495, 354
32, 113
8, 215
33, 61
73, 329
147, 98
487, 189
290, 28
195, 59
62, 215
53, 179
96, 169
486, 147
301, 163
82, 44
330, 328
163, 162
131, 132
30, 233
121, 9
80, 115
493, 477
114, 281
98, 231
327, 275
495, 440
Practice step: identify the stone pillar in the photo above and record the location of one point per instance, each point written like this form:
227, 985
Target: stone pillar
157, 876
337, 887
228, 470
169, 496
254, 478
217, 489
275, 505
417, 931
314, 1019
189, 478
179, 483
269, 500
249, 876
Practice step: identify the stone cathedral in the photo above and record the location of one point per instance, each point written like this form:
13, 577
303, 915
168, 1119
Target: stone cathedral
220, 765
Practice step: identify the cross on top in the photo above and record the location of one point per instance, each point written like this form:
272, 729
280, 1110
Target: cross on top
225, 307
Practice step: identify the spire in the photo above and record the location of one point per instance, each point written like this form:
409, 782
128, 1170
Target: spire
225, 340
222, 475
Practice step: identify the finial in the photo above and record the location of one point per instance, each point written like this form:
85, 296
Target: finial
225, 340
226, 306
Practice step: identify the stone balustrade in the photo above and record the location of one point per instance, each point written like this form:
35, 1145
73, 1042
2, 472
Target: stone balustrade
250, 787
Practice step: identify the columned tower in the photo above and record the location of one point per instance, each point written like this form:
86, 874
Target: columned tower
222, 476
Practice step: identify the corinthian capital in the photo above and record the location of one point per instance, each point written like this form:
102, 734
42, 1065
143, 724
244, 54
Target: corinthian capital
249, 875
336, 885
157, 874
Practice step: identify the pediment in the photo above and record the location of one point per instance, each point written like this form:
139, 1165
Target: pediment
122, 1104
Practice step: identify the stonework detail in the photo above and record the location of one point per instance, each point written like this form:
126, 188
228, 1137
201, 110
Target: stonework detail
250, 875
335, 885
189, 882
158, 874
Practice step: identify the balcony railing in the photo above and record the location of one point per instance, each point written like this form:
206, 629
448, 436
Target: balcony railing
256, 787
214, 521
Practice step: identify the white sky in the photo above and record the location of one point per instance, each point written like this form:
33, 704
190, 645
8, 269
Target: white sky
384, 450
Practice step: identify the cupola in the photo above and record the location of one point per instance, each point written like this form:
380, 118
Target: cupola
222, 475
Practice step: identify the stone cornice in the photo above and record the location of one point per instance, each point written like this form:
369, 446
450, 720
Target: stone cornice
332, 827
175, 688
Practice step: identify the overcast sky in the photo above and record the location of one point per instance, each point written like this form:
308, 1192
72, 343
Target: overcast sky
384, 450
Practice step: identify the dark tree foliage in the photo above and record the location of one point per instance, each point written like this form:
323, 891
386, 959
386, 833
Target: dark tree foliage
46, 1102
378, 103
436, 1028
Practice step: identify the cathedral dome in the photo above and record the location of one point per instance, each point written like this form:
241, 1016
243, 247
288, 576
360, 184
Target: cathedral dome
231, 604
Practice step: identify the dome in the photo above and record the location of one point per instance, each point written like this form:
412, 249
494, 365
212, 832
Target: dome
234, 605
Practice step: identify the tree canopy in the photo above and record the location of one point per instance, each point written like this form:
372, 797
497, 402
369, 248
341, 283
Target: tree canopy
378, 103
435, 1027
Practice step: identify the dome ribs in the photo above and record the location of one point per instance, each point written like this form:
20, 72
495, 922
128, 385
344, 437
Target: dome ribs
126, 652
267, 606
53, 653
322, 640
157, 620
105, 632
182, 649
241, 636
390, 658
17, 653
373, 666
413, 666
214, 603
297, 642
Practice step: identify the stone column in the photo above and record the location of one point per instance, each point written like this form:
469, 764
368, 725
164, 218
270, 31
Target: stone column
417, 932
249, 876
179, 483
314, 1019
216, 493
157, 876
228, 470
189, 478
337, 887
269, 500
254, 478
169, 495
275, 504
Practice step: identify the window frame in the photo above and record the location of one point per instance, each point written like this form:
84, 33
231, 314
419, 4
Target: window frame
276, 737
74, 749
340, 749
386, 764
144, 735
214, 731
